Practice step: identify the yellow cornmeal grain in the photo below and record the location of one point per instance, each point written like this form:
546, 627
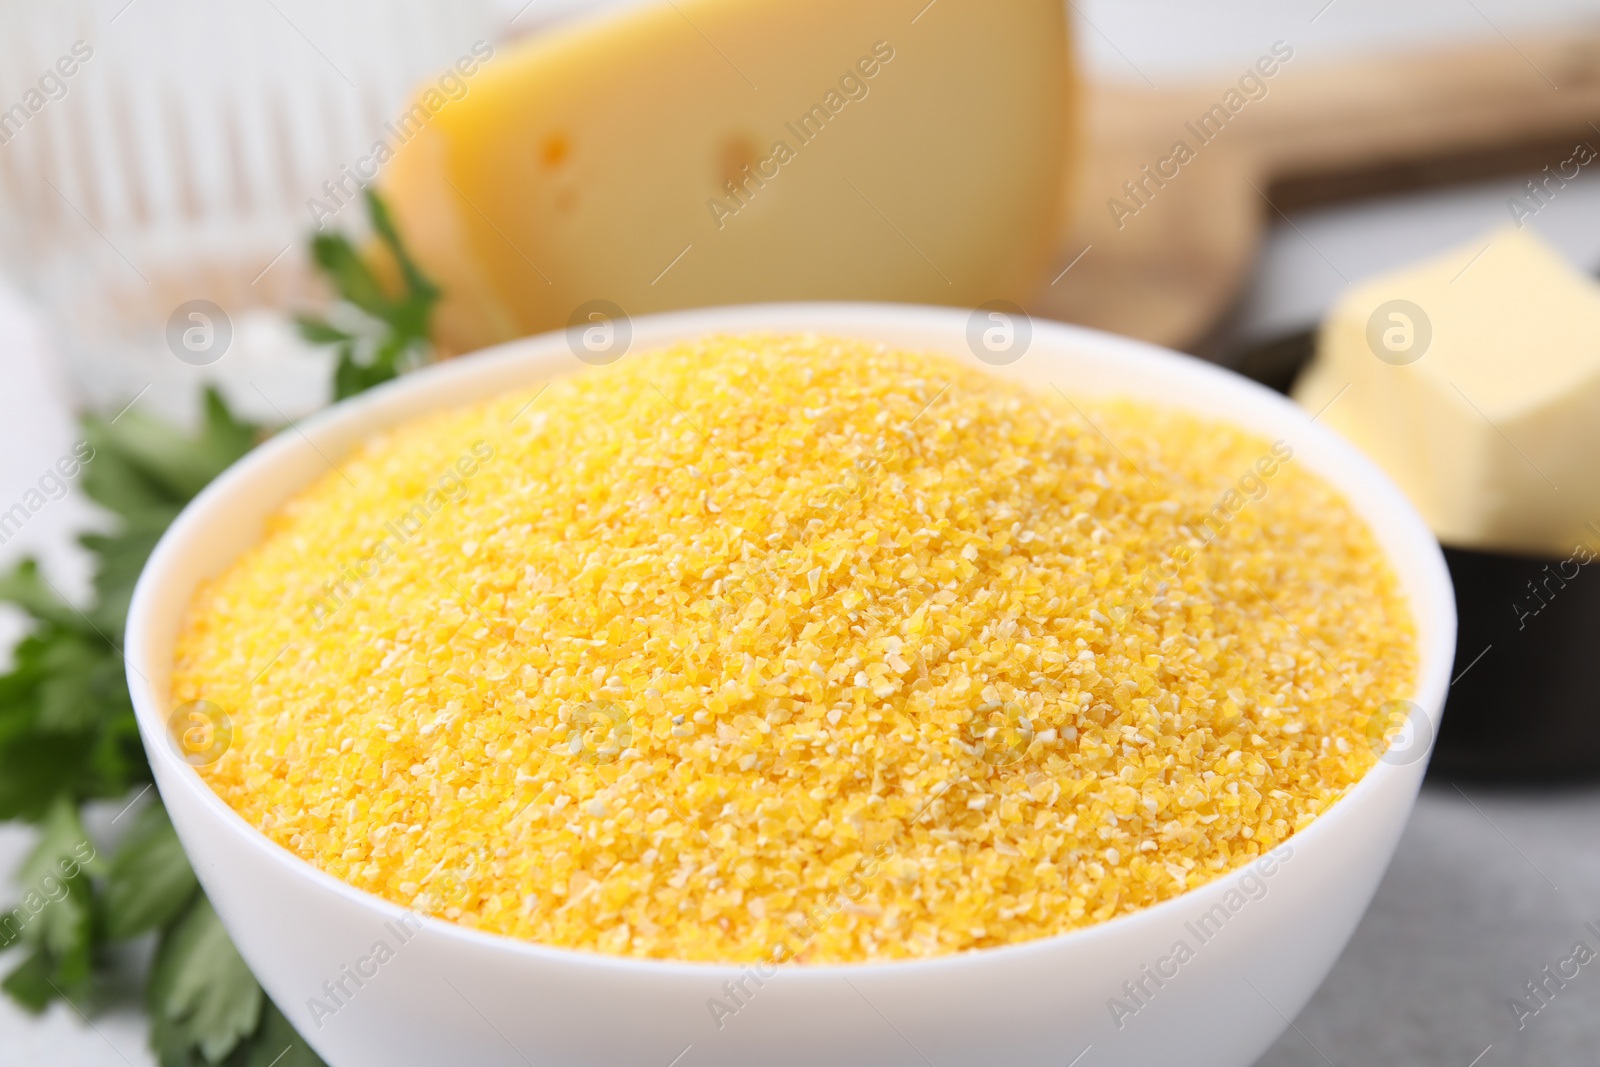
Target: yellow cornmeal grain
799, 579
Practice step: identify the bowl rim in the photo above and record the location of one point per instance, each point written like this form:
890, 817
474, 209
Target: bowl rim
1433, 587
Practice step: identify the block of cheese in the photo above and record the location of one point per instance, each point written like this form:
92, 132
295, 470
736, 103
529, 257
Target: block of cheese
1474, 380
695, 152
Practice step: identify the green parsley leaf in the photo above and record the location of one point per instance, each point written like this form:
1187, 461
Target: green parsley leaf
144, 472
55, 914
50, 744
393, 336
79, 679
276, 1044
149, 881
320, 333
171, 465
201, 995
25, 587
29, 983
35, 770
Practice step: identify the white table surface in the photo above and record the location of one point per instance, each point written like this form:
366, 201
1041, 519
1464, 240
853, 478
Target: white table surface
1487, 887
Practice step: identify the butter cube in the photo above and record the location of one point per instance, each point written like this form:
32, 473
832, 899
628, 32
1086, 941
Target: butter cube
1473, 379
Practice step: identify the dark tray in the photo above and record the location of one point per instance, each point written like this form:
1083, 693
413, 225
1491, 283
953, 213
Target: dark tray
1525, 700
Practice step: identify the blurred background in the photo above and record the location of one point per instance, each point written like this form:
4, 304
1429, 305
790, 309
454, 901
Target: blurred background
154, 225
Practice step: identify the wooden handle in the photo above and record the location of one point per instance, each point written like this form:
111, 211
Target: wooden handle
1341, 130
1159, 249
1457, 114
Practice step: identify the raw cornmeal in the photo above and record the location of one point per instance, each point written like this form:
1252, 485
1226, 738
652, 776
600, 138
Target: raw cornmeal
772, 647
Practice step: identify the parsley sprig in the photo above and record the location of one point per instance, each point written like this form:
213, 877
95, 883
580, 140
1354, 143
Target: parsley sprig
378, 335
67, 729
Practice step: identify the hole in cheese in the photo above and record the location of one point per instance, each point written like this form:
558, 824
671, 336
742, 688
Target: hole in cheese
737, 154
553, 153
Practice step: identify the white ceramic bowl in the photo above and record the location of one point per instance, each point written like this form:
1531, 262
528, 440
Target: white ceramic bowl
450, 995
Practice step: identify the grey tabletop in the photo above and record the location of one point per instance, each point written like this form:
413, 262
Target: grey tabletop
1488, 888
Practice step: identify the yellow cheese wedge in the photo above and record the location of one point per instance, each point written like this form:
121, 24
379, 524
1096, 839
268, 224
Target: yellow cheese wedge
1474, 380
725, 151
